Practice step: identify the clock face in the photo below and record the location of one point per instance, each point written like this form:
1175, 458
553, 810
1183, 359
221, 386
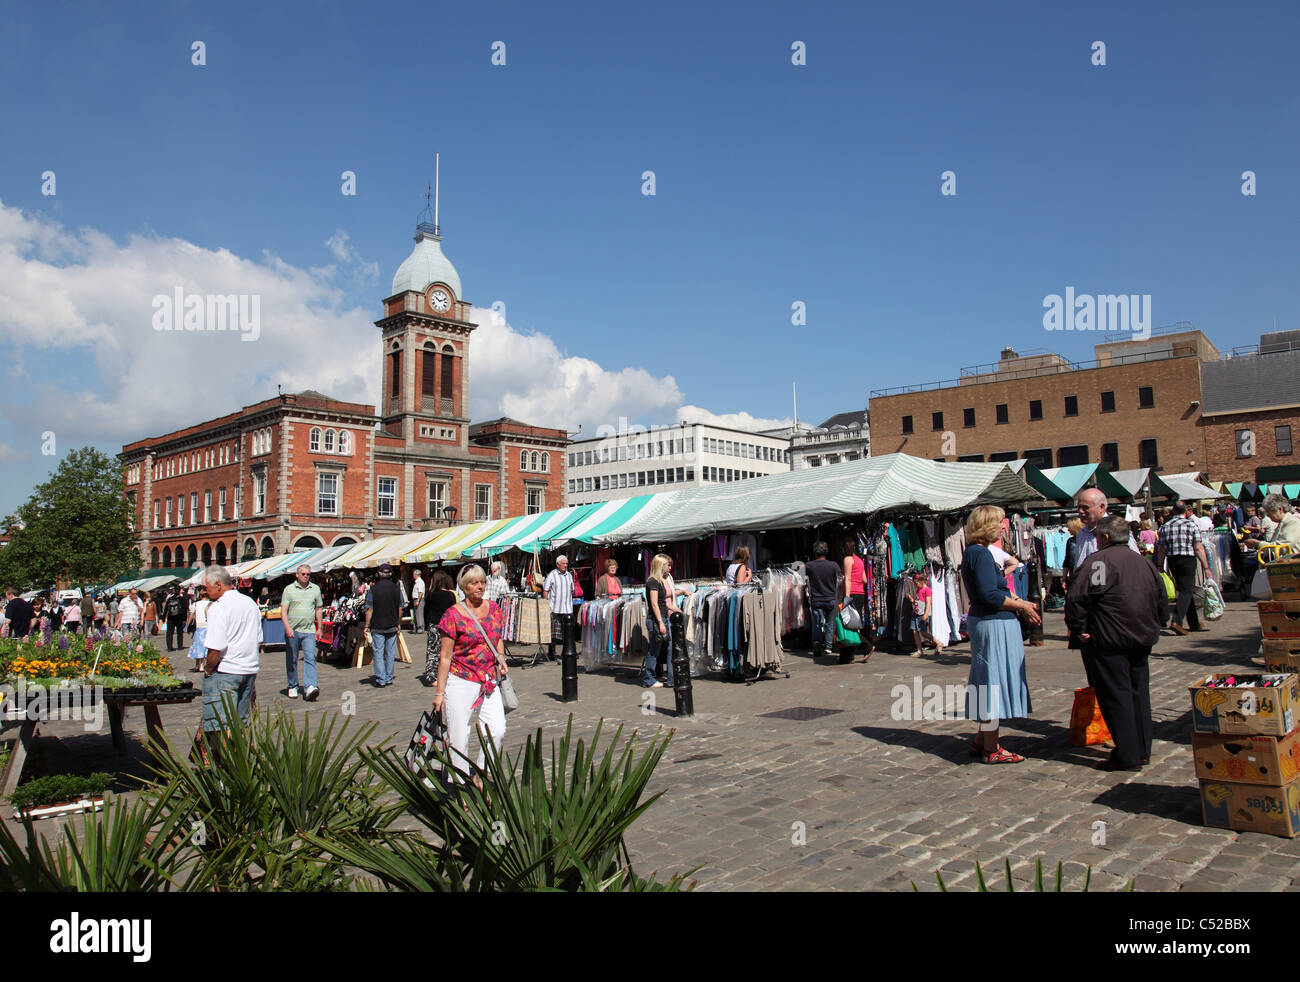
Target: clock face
440, 301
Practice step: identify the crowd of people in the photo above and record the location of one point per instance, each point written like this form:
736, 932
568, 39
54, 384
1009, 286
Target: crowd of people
1116, 609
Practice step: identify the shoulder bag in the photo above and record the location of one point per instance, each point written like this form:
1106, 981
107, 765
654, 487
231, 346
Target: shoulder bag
428, 740
509, 698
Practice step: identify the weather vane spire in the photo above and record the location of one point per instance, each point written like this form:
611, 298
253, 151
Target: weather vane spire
428, 221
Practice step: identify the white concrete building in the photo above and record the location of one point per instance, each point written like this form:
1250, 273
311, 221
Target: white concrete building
639, 461
845, 436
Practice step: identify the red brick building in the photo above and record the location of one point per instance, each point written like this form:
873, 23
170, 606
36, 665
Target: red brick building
1250, 412
1137, 405
303, 470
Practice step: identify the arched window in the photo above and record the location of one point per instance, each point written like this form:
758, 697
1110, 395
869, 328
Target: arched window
523, 460
167, 557
153, 559
313, 442
268, 547
193, 556
448, 383
345, 540
207, 554
546, 463
533, 463
345, 442
250, 549
329, 441
428, 371
307, 542
221, 554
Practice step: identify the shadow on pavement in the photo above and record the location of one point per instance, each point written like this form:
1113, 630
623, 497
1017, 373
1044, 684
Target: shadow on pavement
1180, 804
1045, 741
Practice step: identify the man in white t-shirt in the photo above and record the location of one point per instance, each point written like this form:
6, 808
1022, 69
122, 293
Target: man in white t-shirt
129, 612
233, 639
417, 601
1204, 522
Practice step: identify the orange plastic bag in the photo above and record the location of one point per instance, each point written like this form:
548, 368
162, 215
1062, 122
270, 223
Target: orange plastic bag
1086, 725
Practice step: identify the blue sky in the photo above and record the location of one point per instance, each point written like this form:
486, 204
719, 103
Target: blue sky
775, 183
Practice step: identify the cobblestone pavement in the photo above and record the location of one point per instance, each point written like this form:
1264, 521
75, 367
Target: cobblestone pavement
853, 799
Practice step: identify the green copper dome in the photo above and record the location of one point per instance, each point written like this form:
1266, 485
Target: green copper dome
426, 264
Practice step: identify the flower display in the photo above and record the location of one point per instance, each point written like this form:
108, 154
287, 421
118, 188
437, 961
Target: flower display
106, 663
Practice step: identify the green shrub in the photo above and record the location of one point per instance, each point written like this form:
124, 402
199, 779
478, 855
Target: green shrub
59, 788
521, 831
982, 887
302, 805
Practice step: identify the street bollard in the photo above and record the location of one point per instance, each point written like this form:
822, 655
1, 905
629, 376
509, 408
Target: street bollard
569, 664
681, 667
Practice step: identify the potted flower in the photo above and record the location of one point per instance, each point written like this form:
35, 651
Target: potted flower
59, 794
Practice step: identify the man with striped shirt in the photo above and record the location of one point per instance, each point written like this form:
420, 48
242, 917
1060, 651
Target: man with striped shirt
558, 587
1180, 543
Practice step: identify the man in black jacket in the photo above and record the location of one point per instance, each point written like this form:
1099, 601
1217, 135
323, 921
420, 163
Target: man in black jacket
383, 620
176, 609
1114, 610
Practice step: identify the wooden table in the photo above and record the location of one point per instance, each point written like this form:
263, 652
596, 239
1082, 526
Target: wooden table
116, 706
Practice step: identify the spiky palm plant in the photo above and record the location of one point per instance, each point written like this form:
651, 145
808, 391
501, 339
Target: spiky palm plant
530, 827
981, 886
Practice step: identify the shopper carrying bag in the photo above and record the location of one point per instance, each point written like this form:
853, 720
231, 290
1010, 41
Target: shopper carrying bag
471, 668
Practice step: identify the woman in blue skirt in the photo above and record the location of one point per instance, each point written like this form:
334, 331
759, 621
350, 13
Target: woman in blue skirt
199, 618
997, 688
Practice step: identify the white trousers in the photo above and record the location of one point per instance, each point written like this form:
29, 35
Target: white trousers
457, 711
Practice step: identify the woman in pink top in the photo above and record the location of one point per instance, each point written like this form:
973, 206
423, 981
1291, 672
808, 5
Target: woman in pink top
609, 585
855, 594
1148, 536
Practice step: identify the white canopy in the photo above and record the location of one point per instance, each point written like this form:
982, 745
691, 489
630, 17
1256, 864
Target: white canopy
892, 483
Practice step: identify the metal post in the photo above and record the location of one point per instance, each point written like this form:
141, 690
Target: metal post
569, 663
681, 667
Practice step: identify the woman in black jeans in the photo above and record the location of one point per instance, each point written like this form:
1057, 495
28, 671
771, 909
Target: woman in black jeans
439, 598
656, 622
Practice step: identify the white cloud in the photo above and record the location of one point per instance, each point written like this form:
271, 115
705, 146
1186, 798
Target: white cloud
735, 421
341, 250
63, 291
525, 376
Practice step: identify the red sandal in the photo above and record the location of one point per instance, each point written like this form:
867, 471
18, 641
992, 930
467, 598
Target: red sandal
1003, 756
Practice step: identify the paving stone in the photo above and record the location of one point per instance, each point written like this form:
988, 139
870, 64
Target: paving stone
882, 804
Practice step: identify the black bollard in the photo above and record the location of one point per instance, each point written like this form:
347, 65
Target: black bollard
569, 663
681, 667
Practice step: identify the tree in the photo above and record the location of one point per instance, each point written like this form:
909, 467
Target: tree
75, 526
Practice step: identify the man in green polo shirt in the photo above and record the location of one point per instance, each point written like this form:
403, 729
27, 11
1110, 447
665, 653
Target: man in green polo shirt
300, 610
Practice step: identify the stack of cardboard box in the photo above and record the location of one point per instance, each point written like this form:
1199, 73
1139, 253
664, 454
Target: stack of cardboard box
1245, 741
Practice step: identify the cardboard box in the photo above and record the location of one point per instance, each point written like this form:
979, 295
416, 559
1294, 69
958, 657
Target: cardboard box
1279, 618
1267, 710
1274, 761
1284, 579
1252, 807
1281, 655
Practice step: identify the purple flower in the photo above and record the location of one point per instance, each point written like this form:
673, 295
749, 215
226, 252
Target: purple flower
63, 642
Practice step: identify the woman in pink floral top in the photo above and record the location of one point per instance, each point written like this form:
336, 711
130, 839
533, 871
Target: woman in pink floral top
468, 668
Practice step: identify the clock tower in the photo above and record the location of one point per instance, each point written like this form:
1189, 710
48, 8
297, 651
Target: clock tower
425, 342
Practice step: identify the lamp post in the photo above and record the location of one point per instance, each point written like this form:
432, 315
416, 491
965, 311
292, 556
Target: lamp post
449, 513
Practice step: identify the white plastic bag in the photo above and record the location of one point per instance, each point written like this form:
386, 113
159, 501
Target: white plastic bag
1213, 601
1259, 589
